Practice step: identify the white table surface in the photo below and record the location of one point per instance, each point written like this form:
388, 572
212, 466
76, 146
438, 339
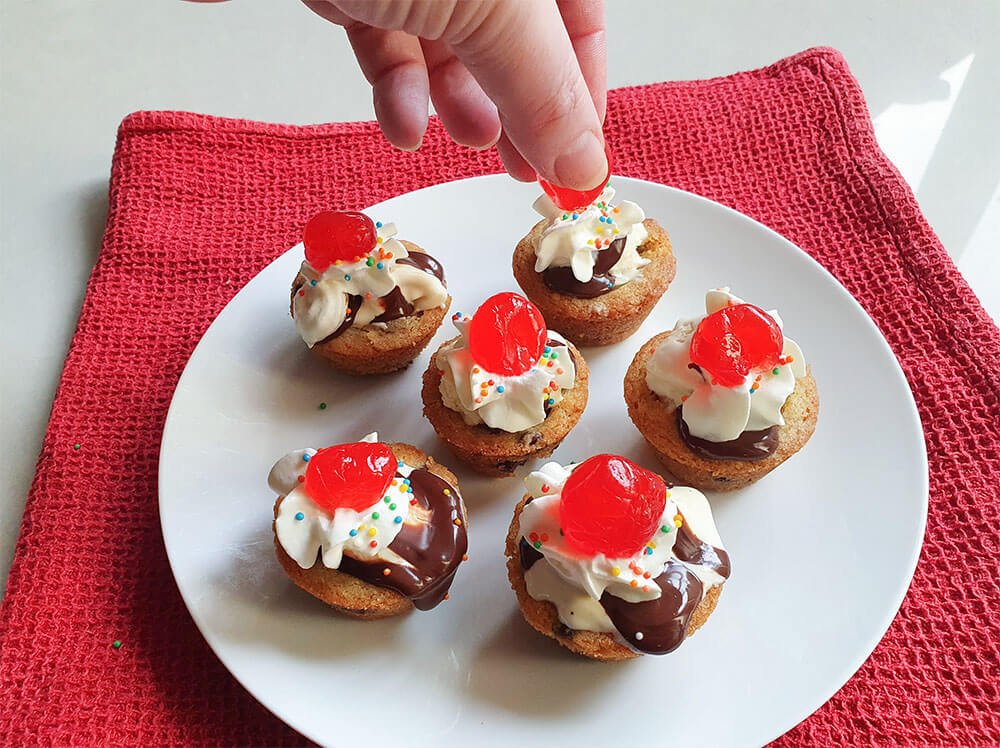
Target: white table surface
71, 71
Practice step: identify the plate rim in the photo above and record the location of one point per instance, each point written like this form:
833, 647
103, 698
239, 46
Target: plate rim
847, 672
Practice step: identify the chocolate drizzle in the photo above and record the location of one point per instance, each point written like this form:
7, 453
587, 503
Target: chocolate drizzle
747, 447
394, 304
663, 622
354, 304
529, 556
423, 261
561, 279
433, 547
691, 549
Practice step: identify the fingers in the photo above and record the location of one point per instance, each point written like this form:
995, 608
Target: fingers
466, 112
520, 51
522, 56
584, 21
394, 64
513, 161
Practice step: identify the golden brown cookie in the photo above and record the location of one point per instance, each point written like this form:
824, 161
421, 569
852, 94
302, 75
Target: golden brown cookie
656, 419
543, 616
382, 348
608, 318
350, 595
495, 452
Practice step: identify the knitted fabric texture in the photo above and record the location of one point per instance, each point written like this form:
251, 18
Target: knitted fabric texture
198, 205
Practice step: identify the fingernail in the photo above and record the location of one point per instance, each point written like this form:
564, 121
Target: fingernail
488, 145
411, 149
583, 165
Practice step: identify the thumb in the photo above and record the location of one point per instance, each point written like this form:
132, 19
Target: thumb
524, 60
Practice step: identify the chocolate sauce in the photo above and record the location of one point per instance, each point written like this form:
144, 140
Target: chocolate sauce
434, 548
354, 304
561, 279
394, 304
747, 447
692, 549
528, 554
423, 261
662, 622
299, 282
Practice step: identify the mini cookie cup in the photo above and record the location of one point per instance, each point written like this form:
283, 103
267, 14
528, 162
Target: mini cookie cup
608, 318
495, 452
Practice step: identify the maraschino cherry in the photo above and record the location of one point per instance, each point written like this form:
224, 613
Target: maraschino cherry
612, 506
507, 335
735, 340
567, 199
333, 236
352, 476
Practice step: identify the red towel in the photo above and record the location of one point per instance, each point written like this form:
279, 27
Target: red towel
199, 205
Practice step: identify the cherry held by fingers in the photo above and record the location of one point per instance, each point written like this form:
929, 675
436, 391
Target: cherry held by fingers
567, 199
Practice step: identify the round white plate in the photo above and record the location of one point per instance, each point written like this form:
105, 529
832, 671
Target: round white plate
823, 549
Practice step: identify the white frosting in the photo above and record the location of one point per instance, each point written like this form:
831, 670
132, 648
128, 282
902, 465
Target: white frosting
511, 403
712, 411
575, 239
575, 608
321, 305
574, 582
305, 529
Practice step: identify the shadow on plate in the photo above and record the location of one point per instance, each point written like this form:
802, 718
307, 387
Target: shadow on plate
521, 671
257, 603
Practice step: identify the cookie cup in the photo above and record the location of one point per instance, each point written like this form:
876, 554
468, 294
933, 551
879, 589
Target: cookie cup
345, 593
656, 419
543, 616
382, 349
498, 453
608, 318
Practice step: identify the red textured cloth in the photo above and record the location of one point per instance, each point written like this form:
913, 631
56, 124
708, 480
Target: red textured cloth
198, 205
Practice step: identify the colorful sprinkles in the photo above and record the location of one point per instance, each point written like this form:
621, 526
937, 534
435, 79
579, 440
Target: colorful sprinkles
606, 223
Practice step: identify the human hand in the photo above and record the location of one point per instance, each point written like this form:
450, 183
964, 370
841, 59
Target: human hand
526, 75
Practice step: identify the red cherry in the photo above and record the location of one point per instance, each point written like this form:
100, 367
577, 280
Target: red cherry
735, 340
612, 506
567, 199
507, 335
352, 476
334, 235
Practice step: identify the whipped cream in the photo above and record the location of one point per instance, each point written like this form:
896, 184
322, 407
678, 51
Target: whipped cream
575, 239
305, 529
711, 411
321, 305
574, 582
509, 403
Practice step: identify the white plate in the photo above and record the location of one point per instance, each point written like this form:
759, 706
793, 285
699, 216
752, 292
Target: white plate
823, 549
